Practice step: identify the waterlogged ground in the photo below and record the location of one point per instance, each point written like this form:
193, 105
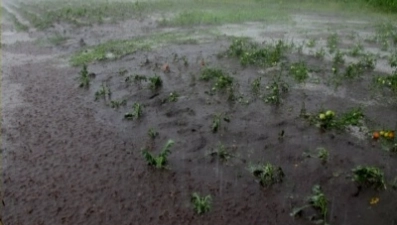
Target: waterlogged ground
69, 158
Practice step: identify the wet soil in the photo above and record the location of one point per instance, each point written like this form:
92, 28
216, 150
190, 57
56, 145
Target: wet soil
68, 159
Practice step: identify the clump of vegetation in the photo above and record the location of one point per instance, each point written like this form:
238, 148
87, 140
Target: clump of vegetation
103, 91
137, 79
311, 43
277, 89
201, 204
332, 43
318, 201
152, 133
173, 97
137, 111
84, 77
256, 85
356, 50
299, 71
115, 104
216, 122
369, 176
155, 82
328, 120
221, 152
320, 53
251, 53
221, 79
389, 82
322, 154
267, 174
161, 160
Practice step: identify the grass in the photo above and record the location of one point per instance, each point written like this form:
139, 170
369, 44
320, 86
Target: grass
201, 205
369, 176
160, 161
116, 49
268, 174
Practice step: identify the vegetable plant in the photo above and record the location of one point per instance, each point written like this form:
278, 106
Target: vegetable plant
268, 174
201, 204
369, 176
160, 161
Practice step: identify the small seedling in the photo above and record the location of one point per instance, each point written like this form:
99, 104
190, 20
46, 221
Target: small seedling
155, 82
322, 154
299, 71
318, 201
115, 104
320, 53
356, 50
369, 176
84, 77
221, 79
332, 43
137, 79
277, 88
267, 174
216, 123
201, 204
103, 91
152, 133
311, 43
161, 160
137, 111
173, 97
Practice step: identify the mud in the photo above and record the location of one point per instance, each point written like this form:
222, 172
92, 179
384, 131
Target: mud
68, 159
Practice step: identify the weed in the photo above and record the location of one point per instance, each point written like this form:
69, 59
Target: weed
320, 53
338, 59
267, 174
137, 111
161, 160
152, 133
369, 176
318, 201
332, 42
84, 78
356, 50
256, 85
299, 71
201, 204
115, 104
103, 91
311, 43
155, 82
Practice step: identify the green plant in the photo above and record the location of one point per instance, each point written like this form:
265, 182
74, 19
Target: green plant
338, 59
277, 88
221, 152
221, 79
320, 53
173, 97
103, 91
327, 120
256, 85
267, 174
155, 82
84, 77
115, 104
201, 204
393, 60
318, 201
137, 79
369, 176
152, 133
332, 42
161, 160
216, 122
356, 50
311, 43
322, 154
137, 111
389, 82
123, 72
299, 71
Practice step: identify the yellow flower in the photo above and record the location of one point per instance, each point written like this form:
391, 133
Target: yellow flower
374, 201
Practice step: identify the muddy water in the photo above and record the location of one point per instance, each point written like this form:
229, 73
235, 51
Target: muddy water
70, 160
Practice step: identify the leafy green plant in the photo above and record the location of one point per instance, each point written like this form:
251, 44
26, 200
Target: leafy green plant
277, 89
155, 82
161, 160
221, 79
318, 201
356, 50
84, 77
332, 42
323, 154
216, 121
173, 97
320, 53
311, 43
201, 204
389, 82
115, 104
299, 71
103, 91
137, 111
152, 133
328, 120
267, 174
369, 176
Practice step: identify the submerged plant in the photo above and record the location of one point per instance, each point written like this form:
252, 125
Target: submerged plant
369, 176
267, 174
137, 111
201, 204
160, 161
